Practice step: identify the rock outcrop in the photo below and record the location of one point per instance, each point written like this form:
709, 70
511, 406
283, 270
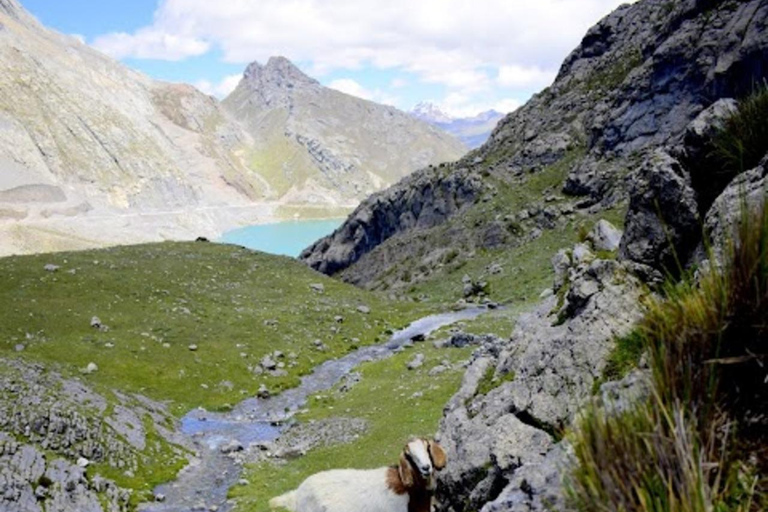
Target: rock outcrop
505, 446
53, 429
635, 83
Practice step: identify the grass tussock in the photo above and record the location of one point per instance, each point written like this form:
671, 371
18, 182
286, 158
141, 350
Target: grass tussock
737, 147
700, 444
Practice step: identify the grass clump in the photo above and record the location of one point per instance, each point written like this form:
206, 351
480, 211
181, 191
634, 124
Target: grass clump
625, 356
736, 147
491, 381
700, 444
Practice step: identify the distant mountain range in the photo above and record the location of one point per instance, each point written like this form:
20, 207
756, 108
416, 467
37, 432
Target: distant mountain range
472, 131
93, 153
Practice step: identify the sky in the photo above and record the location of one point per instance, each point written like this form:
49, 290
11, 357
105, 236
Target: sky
466, 56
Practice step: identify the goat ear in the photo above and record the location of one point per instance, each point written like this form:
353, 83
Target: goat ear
405, 471
438, 455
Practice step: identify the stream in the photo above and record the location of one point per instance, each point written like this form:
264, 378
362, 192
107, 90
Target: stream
203, 484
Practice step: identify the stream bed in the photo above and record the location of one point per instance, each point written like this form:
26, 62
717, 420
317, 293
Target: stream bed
203, 485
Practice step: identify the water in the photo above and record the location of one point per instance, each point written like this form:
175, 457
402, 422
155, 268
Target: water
284, 238
205, 483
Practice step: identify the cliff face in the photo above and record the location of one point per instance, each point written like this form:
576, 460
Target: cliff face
316, 144
639, 77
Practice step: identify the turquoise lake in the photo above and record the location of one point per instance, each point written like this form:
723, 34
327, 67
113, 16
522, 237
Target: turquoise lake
286, 238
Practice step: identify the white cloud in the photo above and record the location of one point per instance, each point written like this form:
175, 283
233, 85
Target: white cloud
221, 89
353, 88
514, 75
463, 105
349, 86
451, 42
151, 43
398, 83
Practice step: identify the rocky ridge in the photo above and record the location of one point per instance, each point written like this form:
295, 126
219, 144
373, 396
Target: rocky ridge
637, 80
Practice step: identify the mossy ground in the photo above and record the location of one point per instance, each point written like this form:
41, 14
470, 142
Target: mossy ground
385, 399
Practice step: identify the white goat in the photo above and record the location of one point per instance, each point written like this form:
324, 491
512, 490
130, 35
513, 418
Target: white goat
407, 487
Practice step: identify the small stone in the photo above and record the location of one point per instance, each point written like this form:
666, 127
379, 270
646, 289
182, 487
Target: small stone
268, 363
159, 497
416, 362
231, 447
91, 368
95, 322
317, 287
192, 347
19, 348
338, 319
83, 462
546, 293
263, 392
50, 267
364, 309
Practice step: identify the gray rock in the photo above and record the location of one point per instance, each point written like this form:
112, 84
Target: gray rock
662, 225
364, 309
192, 347
416, 362
50, 267
317, 287
502, 450
268, 363
231, 447
604, 236
723, 218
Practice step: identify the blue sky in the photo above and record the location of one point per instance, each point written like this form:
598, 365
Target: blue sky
464, 56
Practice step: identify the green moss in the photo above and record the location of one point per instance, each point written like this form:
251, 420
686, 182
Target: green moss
491, 381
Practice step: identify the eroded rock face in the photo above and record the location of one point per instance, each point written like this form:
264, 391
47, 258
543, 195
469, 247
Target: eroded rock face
422, 200
662, 224
505, 455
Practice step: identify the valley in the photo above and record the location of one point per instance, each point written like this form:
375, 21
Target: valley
575, 309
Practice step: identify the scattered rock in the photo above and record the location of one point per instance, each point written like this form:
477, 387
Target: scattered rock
50, 267
263, 392
317, 287
192, 347
416, 362
231, 447
364, 309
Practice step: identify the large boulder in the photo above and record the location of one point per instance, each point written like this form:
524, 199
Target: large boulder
662, 224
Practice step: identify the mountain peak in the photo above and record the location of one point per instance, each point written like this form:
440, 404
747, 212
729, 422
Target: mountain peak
427, 111
278, 71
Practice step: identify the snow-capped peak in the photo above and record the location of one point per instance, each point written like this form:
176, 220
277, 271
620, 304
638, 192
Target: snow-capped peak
430, 112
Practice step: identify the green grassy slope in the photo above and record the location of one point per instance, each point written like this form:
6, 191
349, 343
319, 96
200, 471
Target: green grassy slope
235, 305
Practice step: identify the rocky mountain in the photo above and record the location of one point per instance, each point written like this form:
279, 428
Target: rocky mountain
637, 80
472, 131
93, 153
625, 131
314, 143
